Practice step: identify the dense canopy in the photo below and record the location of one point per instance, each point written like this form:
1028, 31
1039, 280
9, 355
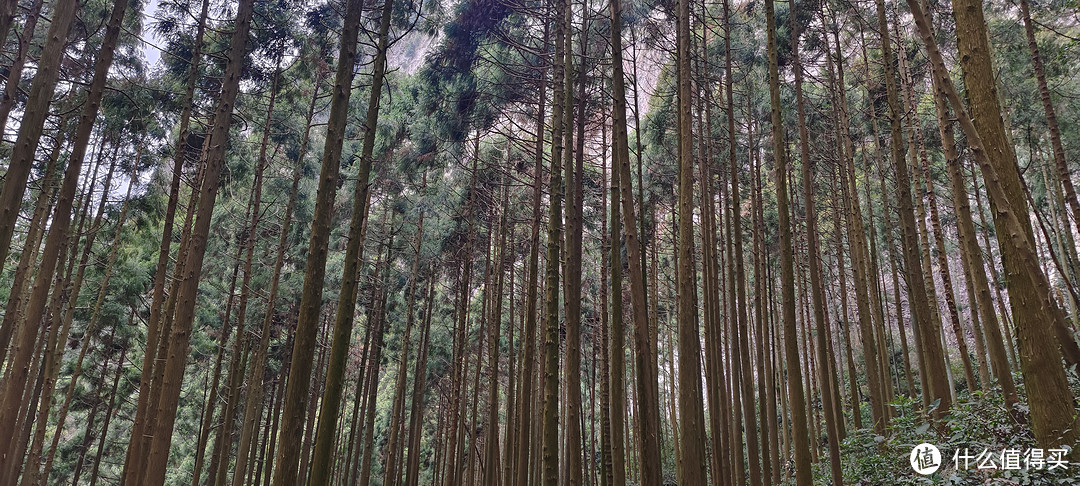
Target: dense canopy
515, 242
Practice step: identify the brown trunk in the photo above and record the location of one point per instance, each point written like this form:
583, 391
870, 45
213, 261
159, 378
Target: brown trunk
559, 117
343, 321
647, 397
33, 121
14, 74
32, 244
937, 385
692, 467
287, 460
10, 201
390, 472
138, 445
1053, 414
971, 253
575, 173
817, 288
412, 468
797, 401
371, 371
525, 403
214, 156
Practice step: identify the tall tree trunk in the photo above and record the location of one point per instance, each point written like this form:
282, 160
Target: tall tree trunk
1053, 415
374, 362
390, 473
185, 311
937, 385
647, 396
575, 172
859, 254
14, 74
255, 378
286, 468
416, 413
971, 253
11, 199
17, 293
525, 403
560, 107
343, 321
241, 344
608, 245
797, 401
33, 121
817, 287
617, 345
692, 468
1060, 166
138, 444
95, 319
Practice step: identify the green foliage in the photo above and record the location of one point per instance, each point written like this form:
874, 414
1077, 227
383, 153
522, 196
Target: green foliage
976, 423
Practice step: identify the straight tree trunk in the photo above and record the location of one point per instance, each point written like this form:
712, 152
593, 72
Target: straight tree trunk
57, 237
372, 369
796, 398
17, 294
416, 414
390, 473
817, 288
647, 397
859, 254
14, 75
575, 173
214, 156
971, 253
1060, 166
937, 385
138, 444
33, 121
616, 344
1053, 415
560, 107
343, 321
525, 403
692, 468
255, 378
986, 110
287, 460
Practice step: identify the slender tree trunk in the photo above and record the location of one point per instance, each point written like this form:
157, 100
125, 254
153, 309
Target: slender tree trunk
560, 107
390, 473
647, 396
859, 254
937, 385
575, 173
33, 121
692, 467
287, 460
525, 403
796, 398
416, 414
371, 371
1053, 415
11, 199
181, 328
17, 294
138, 445
14, 74
817, 287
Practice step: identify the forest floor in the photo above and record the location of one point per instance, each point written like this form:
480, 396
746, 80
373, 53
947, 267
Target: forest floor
981, 444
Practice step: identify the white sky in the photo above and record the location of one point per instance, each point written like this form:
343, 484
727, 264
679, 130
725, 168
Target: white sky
151, 52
